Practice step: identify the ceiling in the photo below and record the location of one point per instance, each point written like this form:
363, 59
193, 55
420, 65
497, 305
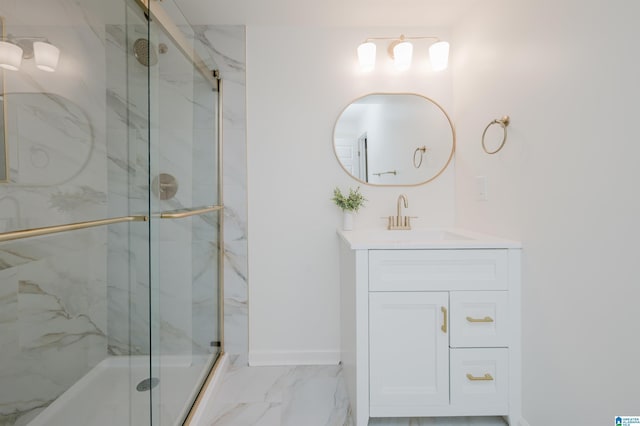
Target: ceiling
326, 12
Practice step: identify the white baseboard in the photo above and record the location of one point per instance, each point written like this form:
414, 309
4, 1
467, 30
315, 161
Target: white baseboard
523, 422
199, 417
267, 358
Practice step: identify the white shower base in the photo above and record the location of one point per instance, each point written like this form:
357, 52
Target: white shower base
107, 395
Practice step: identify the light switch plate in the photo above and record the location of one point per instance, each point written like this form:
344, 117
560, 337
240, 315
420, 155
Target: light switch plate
481, 188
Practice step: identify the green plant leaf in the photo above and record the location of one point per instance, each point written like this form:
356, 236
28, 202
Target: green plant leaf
352, 202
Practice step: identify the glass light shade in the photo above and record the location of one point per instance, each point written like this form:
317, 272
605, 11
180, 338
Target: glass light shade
46, 56
10, 56
402, 53
439, 55
367, 56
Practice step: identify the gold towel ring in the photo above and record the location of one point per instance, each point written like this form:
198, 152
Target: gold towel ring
503, 122
423, 150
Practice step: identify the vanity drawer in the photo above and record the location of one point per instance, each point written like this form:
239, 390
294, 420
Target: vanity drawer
479, 319
479, 379
437, 270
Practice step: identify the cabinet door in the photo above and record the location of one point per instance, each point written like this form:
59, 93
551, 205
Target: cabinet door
408, 352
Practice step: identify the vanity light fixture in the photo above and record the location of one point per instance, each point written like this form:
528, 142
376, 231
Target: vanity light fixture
14, 49
400, 49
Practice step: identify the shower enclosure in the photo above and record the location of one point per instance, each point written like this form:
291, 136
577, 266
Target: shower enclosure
110, 215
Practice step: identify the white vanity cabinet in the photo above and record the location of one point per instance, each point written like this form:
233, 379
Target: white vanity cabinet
431, 331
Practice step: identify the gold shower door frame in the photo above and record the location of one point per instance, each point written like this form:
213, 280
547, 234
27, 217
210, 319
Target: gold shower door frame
213, 77
160, 17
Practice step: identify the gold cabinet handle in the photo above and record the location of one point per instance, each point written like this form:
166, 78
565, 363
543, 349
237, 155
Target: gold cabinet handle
444, 316
485, 319
486, 377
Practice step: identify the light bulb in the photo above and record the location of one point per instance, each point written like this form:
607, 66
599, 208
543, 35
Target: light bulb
402, 53
367, 56
439, 55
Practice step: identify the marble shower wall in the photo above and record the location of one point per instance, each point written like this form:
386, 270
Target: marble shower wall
225, 46
180, 140
222, 48
52, 318
182, 121
127, 117
53, 301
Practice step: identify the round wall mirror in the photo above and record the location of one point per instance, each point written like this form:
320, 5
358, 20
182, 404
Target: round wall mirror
394, 139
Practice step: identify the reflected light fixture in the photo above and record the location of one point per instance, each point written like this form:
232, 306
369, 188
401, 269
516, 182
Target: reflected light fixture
46, 56
400, 49
10, 56
14, 49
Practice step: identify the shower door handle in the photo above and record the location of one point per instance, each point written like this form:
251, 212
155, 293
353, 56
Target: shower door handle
179, 214
37, 232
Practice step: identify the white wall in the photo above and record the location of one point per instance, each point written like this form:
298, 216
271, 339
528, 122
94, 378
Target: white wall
298, 82
566, 184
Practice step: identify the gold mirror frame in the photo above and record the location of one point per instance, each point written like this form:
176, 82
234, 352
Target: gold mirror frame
451, 154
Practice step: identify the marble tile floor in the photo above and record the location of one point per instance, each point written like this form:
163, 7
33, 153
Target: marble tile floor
299, 396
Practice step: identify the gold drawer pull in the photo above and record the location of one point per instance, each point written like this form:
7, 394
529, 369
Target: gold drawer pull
485, 319
486, 377
444, 315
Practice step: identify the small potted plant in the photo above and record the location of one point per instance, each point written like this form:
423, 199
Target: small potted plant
349, 204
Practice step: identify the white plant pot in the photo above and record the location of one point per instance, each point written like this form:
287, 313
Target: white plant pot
347, 221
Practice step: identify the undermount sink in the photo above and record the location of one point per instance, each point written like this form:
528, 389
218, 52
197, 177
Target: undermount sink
411, 235
422, 238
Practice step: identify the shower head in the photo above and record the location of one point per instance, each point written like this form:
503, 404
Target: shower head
145, 52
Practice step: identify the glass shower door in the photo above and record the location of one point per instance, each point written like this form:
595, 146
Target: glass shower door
110, 219
185, 223
74, 263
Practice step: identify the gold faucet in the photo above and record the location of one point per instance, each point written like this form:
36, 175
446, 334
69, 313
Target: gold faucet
399, 221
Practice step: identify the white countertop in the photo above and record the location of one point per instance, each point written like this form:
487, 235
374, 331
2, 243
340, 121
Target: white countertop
426, 238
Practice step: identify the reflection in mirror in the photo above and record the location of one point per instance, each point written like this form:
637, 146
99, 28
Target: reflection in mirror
394, 139
4, 166
50, 137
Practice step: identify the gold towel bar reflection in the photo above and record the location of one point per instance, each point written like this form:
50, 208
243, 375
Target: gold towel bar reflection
503, 122
390, 172
36, 232
485, 319
187, 213
486, 377
422, 150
